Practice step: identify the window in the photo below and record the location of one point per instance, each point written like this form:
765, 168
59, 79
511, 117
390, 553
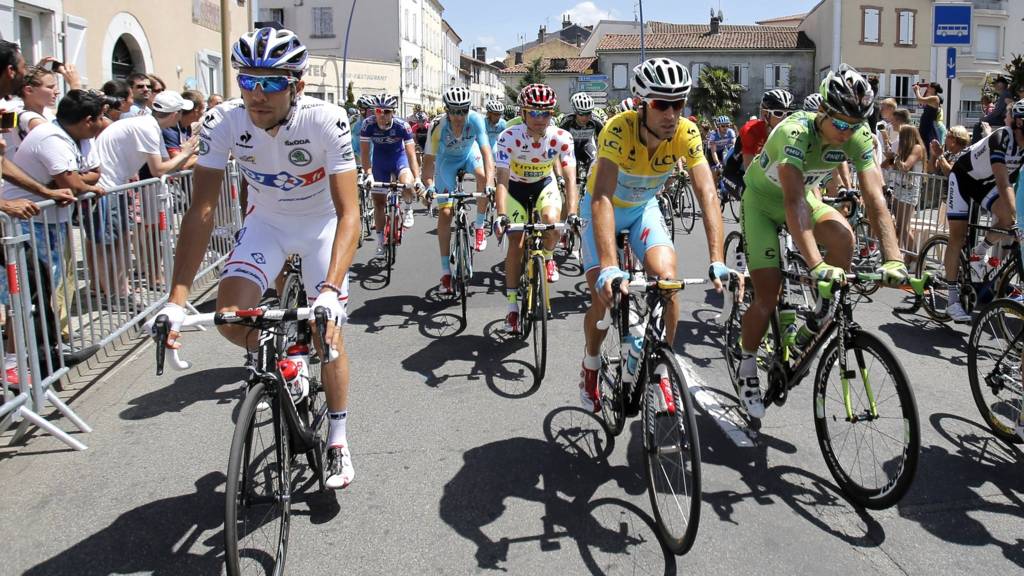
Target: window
29, 37
413, 33
986, 43
740, 74
776, 76
903, 88
871, 25
695, 71
405, 24
906, 20
620, 76
121, 64
208, 68
323, 22
272, 15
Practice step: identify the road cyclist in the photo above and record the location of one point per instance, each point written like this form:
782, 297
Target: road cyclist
295, 152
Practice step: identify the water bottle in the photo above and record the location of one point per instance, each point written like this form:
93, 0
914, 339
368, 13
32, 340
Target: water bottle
787, 326
633, 344
803, 336
977, 266
298, 355
741, 262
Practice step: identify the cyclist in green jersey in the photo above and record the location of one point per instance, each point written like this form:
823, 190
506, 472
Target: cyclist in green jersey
798, 157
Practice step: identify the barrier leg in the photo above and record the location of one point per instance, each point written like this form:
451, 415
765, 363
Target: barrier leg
43, 423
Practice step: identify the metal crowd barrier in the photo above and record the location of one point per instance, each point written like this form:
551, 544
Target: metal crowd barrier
82, 275
919, 221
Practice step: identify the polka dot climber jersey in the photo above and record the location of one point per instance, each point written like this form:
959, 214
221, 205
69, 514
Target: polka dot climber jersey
530, 160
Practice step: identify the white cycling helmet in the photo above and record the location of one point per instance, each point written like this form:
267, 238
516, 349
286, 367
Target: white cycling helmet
627, 104
456, 97
582, 103
495, 106
270, 48
661, 78
812, 103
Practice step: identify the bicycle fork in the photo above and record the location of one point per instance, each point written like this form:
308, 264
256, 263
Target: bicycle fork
846, 374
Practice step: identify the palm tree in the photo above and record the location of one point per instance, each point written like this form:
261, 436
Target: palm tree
715, 94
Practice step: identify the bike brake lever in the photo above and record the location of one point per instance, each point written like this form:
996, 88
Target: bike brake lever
320, 314
161, 329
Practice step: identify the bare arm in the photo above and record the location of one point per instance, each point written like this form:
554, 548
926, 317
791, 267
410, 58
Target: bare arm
76, 183
878, 212
603, 212
501, 193
194, 235
345, 196
488, 156
158, 166
16, 176
1005, 187
916, 154
428, 169
364, 154
704, 188
410, 154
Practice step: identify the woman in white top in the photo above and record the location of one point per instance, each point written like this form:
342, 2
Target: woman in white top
909, 165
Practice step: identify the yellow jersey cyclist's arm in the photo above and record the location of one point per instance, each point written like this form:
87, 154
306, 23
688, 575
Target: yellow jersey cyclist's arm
195, 232
798, 212
878, 213
714, 227
603, 212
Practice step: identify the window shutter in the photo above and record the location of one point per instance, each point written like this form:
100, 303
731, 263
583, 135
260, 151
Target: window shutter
881, 86
769, 76
893, 86
784, 76
74, 45
745, 76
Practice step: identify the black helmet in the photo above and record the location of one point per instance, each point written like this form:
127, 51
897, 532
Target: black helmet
847, 92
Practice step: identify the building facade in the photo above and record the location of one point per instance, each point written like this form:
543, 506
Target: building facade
114, 38
565, 42
433, 39
997, 34
452, 57
482, 79
562, 74
759, 58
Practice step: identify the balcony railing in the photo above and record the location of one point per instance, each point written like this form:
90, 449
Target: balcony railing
991, 4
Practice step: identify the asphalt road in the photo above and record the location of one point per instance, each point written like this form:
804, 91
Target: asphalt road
461, 469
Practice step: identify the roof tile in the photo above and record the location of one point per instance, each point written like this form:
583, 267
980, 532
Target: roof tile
666, 36
573, 66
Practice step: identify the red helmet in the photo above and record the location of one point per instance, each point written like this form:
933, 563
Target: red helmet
538, 96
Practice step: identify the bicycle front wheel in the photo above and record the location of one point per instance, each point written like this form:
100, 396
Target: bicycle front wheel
258, 492
866, 421
687, 208
665, 204
609, 381
539, 311
994, 364
930, 260
462, 256
672, 451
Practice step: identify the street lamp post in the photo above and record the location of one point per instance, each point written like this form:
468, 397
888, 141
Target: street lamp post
643, 44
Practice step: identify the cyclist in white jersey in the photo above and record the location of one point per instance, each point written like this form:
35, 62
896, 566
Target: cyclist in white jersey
296, 154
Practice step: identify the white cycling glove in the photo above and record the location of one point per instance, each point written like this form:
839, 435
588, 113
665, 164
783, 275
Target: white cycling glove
336, 310
175, 315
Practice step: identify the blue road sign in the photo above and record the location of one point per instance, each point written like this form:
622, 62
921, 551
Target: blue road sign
952, 24
951, 62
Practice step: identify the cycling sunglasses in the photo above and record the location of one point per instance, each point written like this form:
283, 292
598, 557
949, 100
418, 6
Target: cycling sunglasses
269, 84
539, 113
663, 105
385, 111
457, 111
843, 125
779, 113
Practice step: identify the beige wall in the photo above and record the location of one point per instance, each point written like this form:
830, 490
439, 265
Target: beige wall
550, 49
818, 27
888, 56
169, 37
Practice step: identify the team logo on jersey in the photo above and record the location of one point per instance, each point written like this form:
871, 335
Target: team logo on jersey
246, 158
284, 181
695, 150
204, 147
258, 258
794, 152
209, 121
666, 160
869, 155
763, 160
296, 142
834, 156
613, 144
615, 129
343, 127
245, 137
300, 156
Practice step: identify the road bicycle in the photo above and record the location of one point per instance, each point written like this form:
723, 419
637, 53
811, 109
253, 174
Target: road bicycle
728, 199
365, 211
994, 353
393, 228
854, 423
272, 428
1001, 278
573, 240
643, 377
461, 243
866, 255
684, 202
534, 299
667, 214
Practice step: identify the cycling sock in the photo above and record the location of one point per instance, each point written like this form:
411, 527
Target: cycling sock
591, 362
446, 265
512, 296
954, 293
981, 248
336, 436
380, 237
479, 222
748, 365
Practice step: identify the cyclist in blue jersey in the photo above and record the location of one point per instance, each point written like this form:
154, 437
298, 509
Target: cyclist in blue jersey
457, 140
495, 123
393, 158
722, 141
365, 105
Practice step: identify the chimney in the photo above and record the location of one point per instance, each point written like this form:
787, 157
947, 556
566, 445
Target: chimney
518, 58
715, 21
480, 54
566, 22
579, 39
540, 34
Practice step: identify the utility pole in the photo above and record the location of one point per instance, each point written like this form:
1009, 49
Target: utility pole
225, 47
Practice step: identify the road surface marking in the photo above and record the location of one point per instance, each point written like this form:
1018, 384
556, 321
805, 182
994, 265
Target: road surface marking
725, 417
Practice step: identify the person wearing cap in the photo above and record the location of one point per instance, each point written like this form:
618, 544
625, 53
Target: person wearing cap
928, 97
997, 117
123, 148
174, 136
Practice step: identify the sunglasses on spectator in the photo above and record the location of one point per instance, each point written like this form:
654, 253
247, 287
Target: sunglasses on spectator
843, 125
142, 87
539, 113
779, 113
269, 84
457, 111
662, 105
157, 90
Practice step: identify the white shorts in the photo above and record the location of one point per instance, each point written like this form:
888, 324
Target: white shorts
266, 240
958, 204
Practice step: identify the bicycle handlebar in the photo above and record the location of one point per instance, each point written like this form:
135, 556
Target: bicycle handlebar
441, 197
536, 227
664, 285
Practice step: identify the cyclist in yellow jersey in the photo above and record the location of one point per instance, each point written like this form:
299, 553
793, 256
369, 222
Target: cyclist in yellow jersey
637, 152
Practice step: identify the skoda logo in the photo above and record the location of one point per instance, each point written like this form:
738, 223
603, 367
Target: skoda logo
300, 157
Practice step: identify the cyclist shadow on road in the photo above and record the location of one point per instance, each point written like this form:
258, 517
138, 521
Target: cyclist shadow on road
922, 336
810, 496
155, 538
703, 331
563, 473
490, 358
978, 463
218, 384
428, 315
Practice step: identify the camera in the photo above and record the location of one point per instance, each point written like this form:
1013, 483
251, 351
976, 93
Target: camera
112, 101
8, 120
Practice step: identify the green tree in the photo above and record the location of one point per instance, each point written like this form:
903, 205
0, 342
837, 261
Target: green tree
1015, 70
534, 75
715, 94
350, 97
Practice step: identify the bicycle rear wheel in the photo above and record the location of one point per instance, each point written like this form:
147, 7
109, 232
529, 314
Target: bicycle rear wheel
672, 451
258, 492
666, 215
930, 261
866, 257
871, 448
687, 207
539, 311
994, 354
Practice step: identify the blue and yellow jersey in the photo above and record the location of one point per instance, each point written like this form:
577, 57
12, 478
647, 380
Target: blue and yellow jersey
642, 175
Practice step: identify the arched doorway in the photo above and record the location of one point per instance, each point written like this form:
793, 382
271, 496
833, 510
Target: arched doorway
122, 62
126, 48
